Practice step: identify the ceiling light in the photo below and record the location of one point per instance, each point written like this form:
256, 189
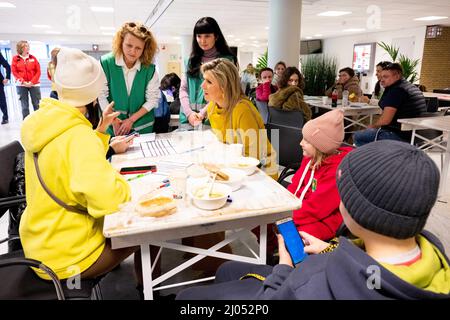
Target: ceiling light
354, 30
430, 18
318, 35
252, 37
333, 13
107, 28
237, 39
267, 28
102, 9
176, 38
6, 5
41, 26
230, 36
309, 38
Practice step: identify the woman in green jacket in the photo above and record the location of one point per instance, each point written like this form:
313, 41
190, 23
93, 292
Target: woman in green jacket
208, 43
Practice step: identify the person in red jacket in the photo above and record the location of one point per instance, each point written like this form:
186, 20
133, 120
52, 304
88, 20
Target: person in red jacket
266, 88
27, 71
315, 181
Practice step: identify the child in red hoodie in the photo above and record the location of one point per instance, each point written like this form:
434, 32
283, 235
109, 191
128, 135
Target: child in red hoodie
315, 181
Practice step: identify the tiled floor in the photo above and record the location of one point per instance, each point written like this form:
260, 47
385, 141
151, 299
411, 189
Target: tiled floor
119, 284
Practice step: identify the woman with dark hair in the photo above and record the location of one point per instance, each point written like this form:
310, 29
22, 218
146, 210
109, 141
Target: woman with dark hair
170, 84
290, 93
378, 92
208, 43
279, 69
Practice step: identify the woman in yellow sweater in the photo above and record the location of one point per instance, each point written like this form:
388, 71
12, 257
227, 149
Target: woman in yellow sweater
233, 117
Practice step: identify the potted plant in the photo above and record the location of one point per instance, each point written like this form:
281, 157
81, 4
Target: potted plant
320, 73
408, 65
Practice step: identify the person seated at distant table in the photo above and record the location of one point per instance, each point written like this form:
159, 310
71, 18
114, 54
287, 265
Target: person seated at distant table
289, 96
265, 88
401, 99
347, 80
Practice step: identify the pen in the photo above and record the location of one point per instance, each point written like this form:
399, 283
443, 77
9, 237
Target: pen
195, 149
139, 176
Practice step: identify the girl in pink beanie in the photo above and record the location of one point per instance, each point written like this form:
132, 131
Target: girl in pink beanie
315, 181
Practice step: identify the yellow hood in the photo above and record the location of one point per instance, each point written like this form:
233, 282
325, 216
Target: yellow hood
51, 120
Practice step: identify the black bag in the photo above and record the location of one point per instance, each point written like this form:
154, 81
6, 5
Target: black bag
17, 188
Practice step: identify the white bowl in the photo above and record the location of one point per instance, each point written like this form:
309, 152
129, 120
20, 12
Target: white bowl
236, 178
217, 199
246, 164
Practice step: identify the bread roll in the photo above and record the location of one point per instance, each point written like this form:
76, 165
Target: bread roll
155, 206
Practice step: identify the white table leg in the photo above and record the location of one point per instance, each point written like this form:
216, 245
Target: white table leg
147, 271
413, 136
262, 243
444, 174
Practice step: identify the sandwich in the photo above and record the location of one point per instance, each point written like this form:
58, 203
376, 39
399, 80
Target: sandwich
150, 205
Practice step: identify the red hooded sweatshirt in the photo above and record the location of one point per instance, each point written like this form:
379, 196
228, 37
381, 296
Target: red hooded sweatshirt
319, 214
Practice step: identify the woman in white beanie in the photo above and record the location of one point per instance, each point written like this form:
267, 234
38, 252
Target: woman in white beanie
315, 181
65, 155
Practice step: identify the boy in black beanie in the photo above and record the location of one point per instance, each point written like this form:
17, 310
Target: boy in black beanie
387, 190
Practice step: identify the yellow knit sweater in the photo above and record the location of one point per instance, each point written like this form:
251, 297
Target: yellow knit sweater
244, 125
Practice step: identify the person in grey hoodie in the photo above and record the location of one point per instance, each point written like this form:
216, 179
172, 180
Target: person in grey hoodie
387, 190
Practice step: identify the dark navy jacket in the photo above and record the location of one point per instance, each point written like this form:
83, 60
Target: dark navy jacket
341, 274
7, 67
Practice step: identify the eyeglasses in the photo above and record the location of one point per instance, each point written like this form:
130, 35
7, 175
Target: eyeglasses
142, 28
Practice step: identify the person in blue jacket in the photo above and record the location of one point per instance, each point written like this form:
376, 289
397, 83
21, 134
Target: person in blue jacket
387, 190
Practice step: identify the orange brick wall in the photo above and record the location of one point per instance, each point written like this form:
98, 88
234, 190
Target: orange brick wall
435, 72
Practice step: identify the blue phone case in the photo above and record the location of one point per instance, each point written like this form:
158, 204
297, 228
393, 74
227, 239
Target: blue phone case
292, 240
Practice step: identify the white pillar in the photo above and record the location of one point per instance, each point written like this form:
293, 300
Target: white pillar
284, 32
186, 48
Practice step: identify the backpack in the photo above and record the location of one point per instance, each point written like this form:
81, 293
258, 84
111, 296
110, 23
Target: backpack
163, 109
162, 115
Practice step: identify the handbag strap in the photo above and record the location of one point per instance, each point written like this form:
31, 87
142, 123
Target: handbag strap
79, 210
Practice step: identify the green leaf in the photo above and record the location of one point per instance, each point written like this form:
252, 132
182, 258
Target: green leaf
262, 61
319, 72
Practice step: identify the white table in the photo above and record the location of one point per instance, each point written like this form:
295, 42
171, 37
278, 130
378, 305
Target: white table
440, 96
259, 202
436, 123
354, 115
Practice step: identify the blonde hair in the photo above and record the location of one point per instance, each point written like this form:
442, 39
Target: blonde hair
20, 45
51, 67
227, 75
140, 31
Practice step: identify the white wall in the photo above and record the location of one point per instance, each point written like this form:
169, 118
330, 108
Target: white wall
167, 53
411, 42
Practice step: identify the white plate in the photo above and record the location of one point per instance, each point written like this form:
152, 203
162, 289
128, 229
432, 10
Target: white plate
358, 104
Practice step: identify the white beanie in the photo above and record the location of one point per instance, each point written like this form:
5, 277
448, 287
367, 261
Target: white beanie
79, 78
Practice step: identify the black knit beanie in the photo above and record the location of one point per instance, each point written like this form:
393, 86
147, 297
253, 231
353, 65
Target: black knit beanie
388, 187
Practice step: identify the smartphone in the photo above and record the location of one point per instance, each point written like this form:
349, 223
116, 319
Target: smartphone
136, 170
132, 133
292, 240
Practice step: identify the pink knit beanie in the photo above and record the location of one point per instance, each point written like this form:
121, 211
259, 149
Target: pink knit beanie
326, 132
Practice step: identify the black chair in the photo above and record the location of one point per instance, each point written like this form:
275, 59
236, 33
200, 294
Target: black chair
432, 104
18, 280
8, 155
263, 110
285, 133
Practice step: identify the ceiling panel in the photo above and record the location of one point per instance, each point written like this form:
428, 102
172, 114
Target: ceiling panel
241, 18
